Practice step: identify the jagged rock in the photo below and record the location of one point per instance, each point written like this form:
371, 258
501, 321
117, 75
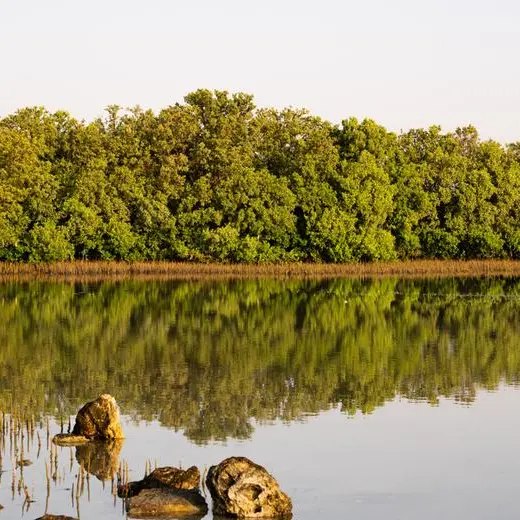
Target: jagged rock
56, 517
243, 489
166, 477
162, 501
100, 458
99, 419
69, 439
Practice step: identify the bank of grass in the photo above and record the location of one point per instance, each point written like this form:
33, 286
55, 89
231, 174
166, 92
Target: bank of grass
186, 270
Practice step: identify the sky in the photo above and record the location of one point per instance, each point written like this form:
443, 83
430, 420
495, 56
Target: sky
404, 63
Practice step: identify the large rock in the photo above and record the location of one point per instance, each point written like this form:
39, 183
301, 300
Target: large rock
166, 477
242, 489
100, 458
99, 419
162, 501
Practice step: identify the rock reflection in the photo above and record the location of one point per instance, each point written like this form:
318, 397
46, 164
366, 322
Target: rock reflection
100, 458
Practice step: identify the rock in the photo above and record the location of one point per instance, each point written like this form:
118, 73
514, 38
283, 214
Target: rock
174, 478
56, 517
166, 477
243, 489
69, 439
100, 458
179, 502
99, 419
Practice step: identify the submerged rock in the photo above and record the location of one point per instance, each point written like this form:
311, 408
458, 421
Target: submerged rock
99, 419
243, 489
100, 458
162, 501
165, 477
69, 439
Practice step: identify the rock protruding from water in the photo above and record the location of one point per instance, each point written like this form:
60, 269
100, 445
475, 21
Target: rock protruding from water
165, 477
99, 419
163, 501
243, 489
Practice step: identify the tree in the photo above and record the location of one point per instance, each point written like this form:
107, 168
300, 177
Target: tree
28, 191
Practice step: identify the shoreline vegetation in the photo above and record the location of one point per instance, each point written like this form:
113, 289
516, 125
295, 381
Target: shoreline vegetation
217, 180
184, 270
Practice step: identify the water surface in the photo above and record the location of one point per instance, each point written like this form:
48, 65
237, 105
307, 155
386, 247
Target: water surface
365, 398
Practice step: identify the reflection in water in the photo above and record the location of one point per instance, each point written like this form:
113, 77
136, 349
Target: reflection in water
40, 477
207, 357
100, 458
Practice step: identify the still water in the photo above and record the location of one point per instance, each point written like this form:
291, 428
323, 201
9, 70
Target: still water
366, 399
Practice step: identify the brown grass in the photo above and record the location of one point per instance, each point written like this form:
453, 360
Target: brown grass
193, 271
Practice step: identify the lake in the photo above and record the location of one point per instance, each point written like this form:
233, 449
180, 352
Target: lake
365, 399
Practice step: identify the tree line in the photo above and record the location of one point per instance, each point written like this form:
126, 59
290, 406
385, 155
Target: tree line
217, 179
212, 358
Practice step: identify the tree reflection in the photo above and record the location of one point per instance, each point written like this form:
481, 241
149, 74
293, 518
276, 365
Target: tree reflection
208, 357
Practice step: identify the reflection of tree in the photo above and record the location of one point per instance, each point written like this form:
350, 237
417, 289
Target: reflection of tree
208, 357
100, 458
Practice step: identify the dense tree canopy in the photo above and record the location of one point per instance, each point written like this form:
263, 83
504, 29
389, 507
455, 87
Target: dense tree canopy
215, 178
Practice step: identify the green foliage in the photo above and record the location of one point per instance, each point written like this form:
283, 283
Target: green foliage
46, 243
214, 178
366, 193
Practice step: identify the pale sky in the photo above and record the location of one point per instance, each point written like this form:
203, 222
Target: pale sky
404, 63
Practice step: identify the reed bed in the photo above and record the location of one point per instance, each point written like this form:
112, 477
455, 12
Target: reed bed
195, 271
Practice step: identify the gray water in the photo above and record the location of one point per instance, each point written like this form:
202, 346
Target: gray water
365, 399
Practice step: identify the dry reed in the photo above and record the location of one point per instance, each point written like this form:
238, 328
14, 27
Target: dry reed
84, 270
24, 435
